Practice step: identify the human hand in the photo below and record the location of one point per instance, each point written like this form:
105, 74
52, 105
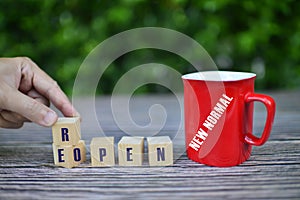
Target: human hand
26, 92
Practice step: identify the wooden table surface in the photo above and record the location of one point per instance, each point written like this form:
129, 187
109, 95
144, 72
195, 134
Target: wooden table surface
272, 172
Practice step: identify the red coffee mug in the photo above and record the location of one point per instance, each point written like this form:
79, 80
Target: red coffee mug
218, 109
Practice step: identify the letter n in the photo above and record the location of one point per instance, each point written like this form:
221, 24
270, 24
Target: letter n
161, 154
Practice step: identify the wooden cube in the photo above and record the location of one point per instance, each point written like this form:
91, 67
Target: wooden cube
66, 131
160, 151
130, 151
102, 151
81, 145
69, 155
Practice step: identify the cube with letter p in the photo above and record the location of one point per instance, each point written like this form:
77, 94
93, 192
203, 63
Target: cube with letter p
102, 151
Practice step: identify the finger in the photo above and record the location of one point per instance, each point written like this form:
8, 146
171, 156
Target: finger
13, 117
27, 74
30, 108
52, 91
17, 118
46, 86
7, 124
38, 97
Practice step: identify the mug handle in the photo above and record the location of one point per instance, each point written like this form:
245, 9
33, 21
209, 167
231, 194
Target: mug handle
270, 107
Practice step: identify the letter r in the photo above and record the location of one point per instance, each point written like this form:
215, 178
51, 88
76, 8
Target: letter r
64, 134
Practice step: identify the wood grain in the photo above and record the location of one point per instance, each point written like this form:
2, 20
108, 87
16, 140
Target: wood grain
272, 172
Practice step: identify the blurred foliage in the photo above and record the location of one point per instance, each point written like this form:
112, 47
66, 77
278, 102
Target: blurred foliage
258, 36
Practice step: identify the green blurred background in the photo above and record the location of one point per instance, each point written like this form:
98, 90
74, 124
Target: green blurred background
258, 36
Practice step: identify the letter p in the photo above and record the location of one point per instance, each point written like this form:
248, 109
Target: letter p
102, 153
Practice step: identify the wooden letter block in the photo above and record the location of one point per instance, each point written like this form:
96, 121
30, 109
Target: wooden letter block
69, 155
160, 151
66, 131
130, 151
102, 151
81, 145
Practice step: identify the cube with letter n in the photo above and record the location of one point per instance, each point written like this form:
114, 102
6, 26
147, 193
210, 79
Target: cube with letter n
160, 151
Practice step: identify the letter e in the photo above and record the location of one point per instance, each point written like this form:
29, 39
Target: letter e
60, 155
129, 154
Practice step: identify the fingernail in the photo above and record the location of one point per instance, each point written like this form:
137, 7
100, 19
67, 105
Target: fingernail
76, 114
50, 118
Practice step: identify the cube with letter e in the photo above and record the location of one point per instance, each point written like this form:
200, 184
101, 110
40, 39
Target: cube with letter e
68, 150
130, 151
69, 155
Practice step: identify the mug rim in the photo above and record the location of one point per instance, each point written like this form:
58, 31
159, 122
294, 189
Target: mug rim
224, 76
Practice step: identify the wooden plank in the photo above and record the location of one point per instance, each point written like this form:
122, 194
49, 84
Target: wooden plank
27, 170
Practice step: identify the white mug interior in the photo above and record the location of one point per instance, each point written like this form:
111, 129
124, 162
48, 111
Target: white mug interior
219, 76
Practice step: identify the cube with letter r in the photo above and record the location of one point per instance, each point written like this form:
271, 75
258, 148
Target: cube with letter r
66, 131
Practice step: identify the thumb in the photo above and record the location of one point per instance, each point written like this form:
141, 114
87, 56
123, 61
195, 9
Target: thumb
30, 108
